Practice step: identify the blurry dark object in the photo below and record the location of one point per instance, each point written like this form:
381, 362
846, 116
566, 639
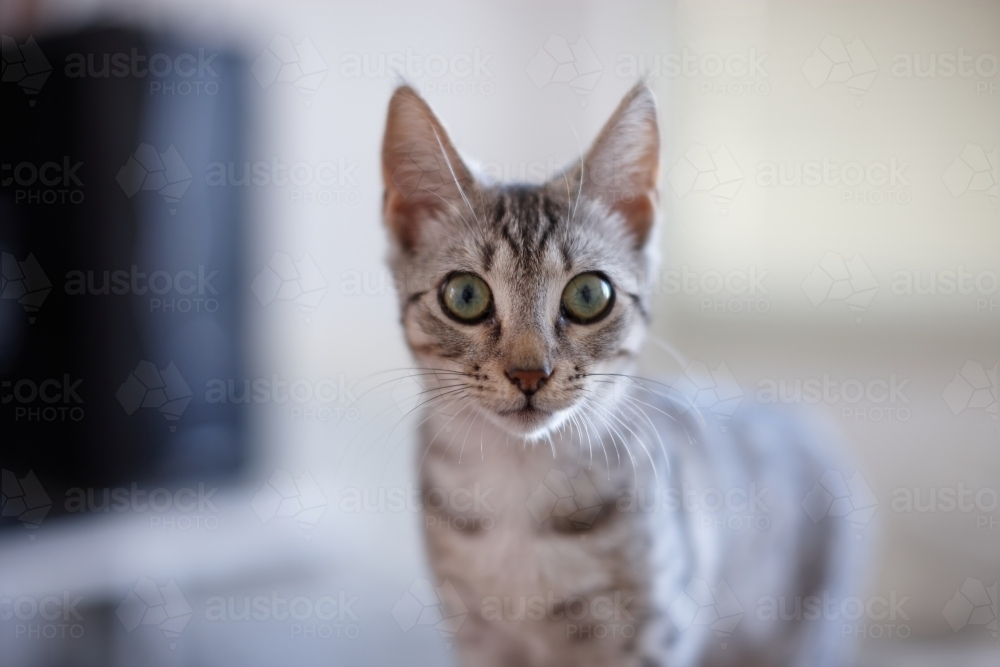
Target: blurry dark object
121, 267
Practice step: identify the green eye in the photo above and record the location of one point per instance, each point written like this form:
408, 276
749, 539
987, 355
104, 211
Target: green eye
587, 298
466, 297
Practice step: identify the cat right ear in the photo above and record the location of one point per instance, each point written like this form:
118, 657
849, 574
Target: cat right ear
621, 167
423, 174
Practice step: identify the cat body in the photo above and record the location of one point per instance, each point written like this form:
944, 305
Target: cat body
566, 533
550, 581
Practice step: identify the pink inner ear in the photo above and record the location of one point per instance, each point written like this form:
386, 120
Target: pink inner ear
623, 162
630, 191
418, 161
401, 220
639, 214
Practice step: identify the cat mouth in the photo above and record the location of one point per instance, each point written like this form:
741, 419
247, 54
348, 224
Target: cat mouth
526, 411
527, 419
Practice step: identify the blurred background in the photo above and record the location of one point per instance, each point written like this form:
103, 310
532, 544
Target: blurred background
195, 301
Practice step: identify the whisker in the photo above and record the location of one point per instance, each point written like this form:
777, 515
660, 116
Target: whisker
445, 452
639, 380
652, 426
628, 451
432, 413
611, 432
479, 413
446, 393
406, 377
600, 440
458, 185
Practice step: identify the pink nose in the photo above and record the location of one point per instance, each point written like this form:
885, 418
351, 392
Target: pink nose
529, 380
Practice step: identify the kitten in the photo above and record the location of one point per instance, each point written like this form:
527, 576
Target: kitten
558, 539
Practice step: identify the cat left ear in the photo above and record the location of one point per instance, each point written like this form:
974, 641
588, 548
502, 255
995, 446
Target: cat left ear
621, 167
423, 173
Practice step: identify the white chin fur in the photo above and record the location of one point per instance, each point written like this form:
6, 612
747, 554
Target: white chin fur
532, 431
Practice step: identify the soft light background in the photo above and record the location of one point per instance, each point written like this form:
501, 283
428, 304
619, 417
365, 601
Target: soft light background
722, 136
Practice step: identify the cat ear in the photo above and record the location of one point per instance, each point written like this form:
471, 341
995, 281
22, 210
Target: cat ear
423, 174
621, 167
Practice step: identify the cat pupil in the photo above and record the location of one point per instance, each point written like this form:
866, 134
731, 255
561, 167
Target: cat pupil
585, 294
467, 294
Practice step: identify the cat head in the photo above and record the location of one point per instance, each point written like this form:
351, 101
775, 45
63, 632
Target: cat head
524, 299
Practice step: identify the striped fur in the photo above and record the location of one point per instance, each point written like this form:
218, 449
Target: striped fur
554, 564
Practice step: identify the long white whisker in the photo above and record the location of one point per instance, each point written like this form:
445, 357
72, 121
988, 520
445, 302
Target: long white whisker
579, 189
612, 432
452, 439
635, 470
432, 412
448, 391
429, 443
479, 413
589, 422
663, 449
458, 185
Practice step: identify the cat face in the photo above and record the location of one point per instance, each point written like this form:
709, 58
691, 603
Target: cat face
521, 298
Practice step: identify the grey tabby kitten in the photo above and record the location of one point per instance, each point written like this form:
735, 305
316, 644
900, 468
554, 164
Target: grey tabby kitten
565, 534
